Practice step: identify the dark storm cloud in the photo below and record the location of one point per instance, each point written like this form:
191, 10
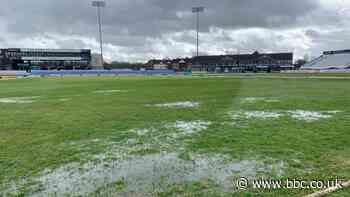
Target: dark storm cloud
143, 29
313, 34
148, 18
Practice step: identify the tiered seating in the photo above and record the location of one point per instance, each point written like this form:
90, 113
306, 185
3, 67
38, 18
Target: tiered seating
13, 73
332, 61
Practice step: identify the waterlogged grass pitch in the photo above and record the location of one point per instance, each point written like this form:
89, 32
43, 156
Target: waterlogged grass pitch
163, 136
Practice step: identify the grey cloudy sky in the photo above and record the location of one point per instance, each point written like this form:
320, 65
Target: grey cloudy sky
138, 30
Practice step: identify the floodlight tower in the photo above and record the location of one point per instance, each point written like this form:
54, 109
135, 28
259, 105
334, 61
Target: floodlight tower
197, 11
99, 5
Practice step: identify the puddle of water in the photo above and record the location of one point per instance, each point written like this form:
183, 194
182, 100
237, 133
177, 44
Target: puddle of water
259, 99
188, 128
333, 112
20, 100
144, 174
141, 132
255, 114
310, 116
64, 99
166, 137
302, 115
186, 104
109, 91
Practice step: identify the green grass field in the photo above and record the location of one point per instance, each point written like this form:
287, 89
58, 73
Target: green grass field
130, 136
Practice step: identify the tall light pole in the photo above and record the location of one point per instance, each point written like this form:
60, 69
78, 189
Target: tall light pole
197, 11
99, 5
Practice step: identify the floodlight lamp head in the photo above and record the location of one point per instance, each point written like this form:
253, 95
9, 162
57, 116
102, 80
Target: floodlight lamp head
197, 9
99, 4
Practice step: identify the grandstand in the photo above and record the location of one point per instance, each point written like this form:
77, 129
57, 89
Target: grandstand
330, 61
114, 72
44, 59
255, 62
